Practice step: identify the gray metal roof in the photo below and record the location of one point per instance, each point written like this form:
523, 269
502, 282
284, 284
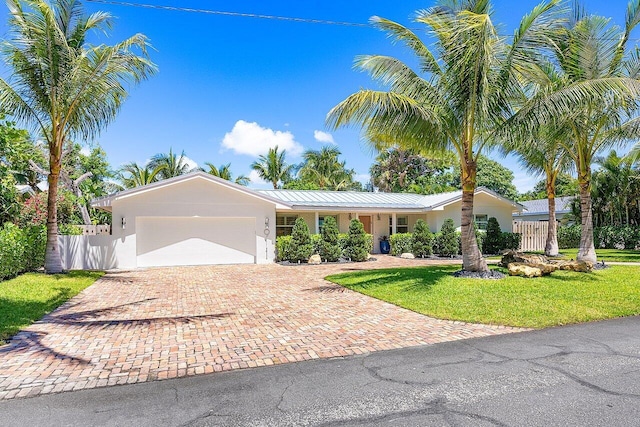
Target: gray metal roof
541, 206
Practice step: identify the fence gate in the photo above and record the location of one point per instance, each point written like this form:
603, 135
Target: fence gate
534, 234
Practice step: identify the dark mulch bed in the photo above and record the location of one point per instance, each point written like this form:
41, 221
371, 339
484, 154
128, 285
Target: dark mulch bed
491, 274
340, 261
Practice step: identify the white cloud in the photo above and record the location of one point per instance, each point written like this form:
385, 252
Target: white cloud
192, 163
323, 137
253, 140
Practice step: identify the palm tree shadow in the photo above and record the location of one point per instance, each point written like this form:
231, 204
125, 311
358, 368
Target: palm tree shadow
416, 279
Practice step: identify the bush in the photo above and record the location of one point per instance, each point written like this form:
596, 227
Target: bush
358, 244
35, 238
283, 243
329, 247
616, 237
421, 240
493, 242
12, 251
69, 230
400, 243
511, 241
448, 242
301, 247
569, 236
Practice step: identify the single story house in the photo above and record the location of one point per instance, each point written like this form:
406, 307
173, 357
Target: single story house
538, 210
201, 219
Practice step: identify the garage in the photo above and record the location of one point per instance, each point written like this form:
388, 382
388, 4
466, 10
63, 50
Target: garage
172, 241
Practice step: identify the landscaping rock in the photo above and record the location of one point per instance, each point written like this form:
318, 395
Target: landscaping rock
519, 257
524, 270
407, 255
315, 259
578, 266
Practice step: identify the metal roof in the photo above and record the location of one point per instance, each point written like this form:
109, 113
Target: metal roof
541, 206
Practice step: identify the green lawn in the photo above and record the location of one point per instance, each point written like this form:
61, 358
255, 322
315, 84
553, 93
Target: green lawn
618, 255
27, 298
560, 299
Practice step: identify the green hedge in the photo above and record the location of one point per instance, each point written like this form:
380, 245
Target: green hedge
21, 250
400, 243
283, 244
607, 237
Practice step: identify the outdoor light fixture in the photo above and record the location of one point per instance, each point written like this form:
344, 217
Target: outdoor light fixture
349, 215
124, 223
266, 222
378, 217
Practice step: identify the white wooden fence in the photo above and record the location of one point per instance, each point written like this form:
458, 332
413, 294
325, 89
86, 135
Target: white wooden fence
534, 234
95, 230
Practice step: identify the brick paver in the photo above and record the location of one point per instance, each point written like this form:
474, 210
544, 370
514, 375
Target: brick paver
142, 325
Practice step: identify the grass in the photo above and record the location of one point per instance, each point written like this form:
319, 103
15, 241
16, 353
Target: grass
28, 297
617, 255
562, 298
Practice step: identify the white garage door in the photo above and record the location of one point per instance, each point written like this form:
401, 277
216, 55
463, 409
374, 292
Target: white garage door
194, 241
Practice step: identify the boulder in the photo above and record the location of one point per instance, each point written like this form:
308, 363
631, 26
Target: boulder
578, 266
407, 255
315, 259
519, 257
519, 269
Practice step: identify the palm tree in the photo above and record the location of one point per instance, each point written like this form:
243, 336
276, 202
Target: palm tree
224, 172
170, 164
322, 168
64, 86
132, 175
596, 102
272, 167
470, 76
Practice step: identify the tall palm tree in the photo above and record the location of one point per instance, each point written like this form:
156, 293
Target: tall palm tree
170, 164
597, 100
324, 169
64, 86
224, 172
273, 168
132, 175
470, 76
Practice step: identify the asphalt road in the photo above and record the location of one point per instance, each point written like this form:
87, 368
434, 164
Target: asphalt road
583, 375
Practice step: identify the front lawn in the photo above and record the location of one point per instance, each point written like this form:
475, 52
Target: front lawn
562, 298
27, 298
618, 255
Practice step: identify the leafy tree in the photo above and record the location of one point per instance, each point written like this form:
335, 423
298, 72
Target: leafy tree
224, 172
133, 175
493, 176
330, 249
169, 164
471, 76
357, 247
493, 239
447, 240
301, 247
566, 185
63, 85
273, 168
323, 169
421, 239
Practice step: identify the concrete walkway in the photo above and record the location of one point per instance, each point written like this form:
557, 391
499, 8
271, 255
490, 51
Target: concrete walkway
137, 326
582, 375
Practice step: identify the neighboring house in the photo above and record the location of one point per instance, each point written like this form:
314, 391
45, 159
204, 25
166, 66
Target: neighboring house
25, 190
538, 210
201, 219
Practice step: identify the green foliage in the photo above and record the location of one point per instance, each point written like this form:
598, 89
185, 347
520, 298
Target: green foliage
35, 238
273, 167
569, 236
566, 185
492, 175
511, 241
283, 243
69, 230
330, 247
9, 199
493, 241
21, 250
358, 244
421, 240
301, 247
324, 170
447, 241
400, 243
34, 210
615, 237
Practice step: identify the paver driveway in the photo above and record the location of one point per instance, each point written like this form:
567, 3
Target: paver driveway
162, 323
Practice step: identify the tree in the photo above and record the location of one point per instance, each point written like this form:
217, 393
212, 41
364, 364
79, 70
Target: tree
322, 169
169, 165
566, 185
63, 85
421, 239
301, 247
224, 172
595, 100
491, 175
357, 246
133, 175
493, 239
471, 76
273, 168
330, 249
447, 241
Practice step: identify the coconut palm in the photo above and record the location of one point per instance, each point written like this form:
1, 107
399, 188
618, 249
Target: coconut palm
273, 168
62, 85
224, 172
596, 102
469, 77
323, 169
133, 175
170, 164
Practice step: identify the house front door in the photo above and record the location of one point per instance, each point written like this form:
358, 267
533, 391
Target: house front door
366, 222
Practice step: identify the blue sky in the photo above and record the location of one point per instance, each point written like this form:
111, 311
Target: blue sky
229, 87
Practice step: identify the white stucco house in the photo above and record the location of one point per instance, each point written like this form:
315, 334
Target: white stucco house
197, 219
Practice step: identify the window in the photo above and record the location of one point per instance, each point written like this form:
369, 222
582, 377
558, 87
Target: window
284, 225
321, 220
481, 221
402, 224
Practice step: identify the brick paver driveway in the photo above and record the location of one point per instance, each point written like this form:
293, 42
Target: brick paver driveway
162, 323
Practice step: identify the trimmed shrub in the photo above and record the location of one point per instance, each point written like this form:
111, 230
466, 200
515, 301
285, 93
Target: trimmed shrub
511, 241
493, 241
569, 236
69, 230
422, 239
329, 246
448, 242
35, 238
12, 251
616, 237
342, 241
283, 243
400, 243
358, 244
301, 247
316, 241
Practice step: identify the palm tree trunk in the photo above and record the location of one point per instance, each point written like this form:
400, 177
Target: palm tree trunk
52, 260
472, 259
551, 246
587, 250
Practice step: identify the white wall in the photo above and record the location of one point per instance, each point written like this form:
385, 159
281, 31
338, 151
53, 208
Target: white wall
88, 252
483, 204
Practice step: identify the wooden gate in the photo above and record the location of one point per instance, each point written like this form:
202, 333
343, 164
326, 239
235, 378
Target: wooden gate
534, 234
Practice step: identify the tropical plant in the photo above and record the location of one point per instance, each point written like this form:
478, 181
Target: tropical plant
64, 86
471, 76
224, 172
169, 165
323, 169
133, 175
421, 239
273, 168
330, 249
